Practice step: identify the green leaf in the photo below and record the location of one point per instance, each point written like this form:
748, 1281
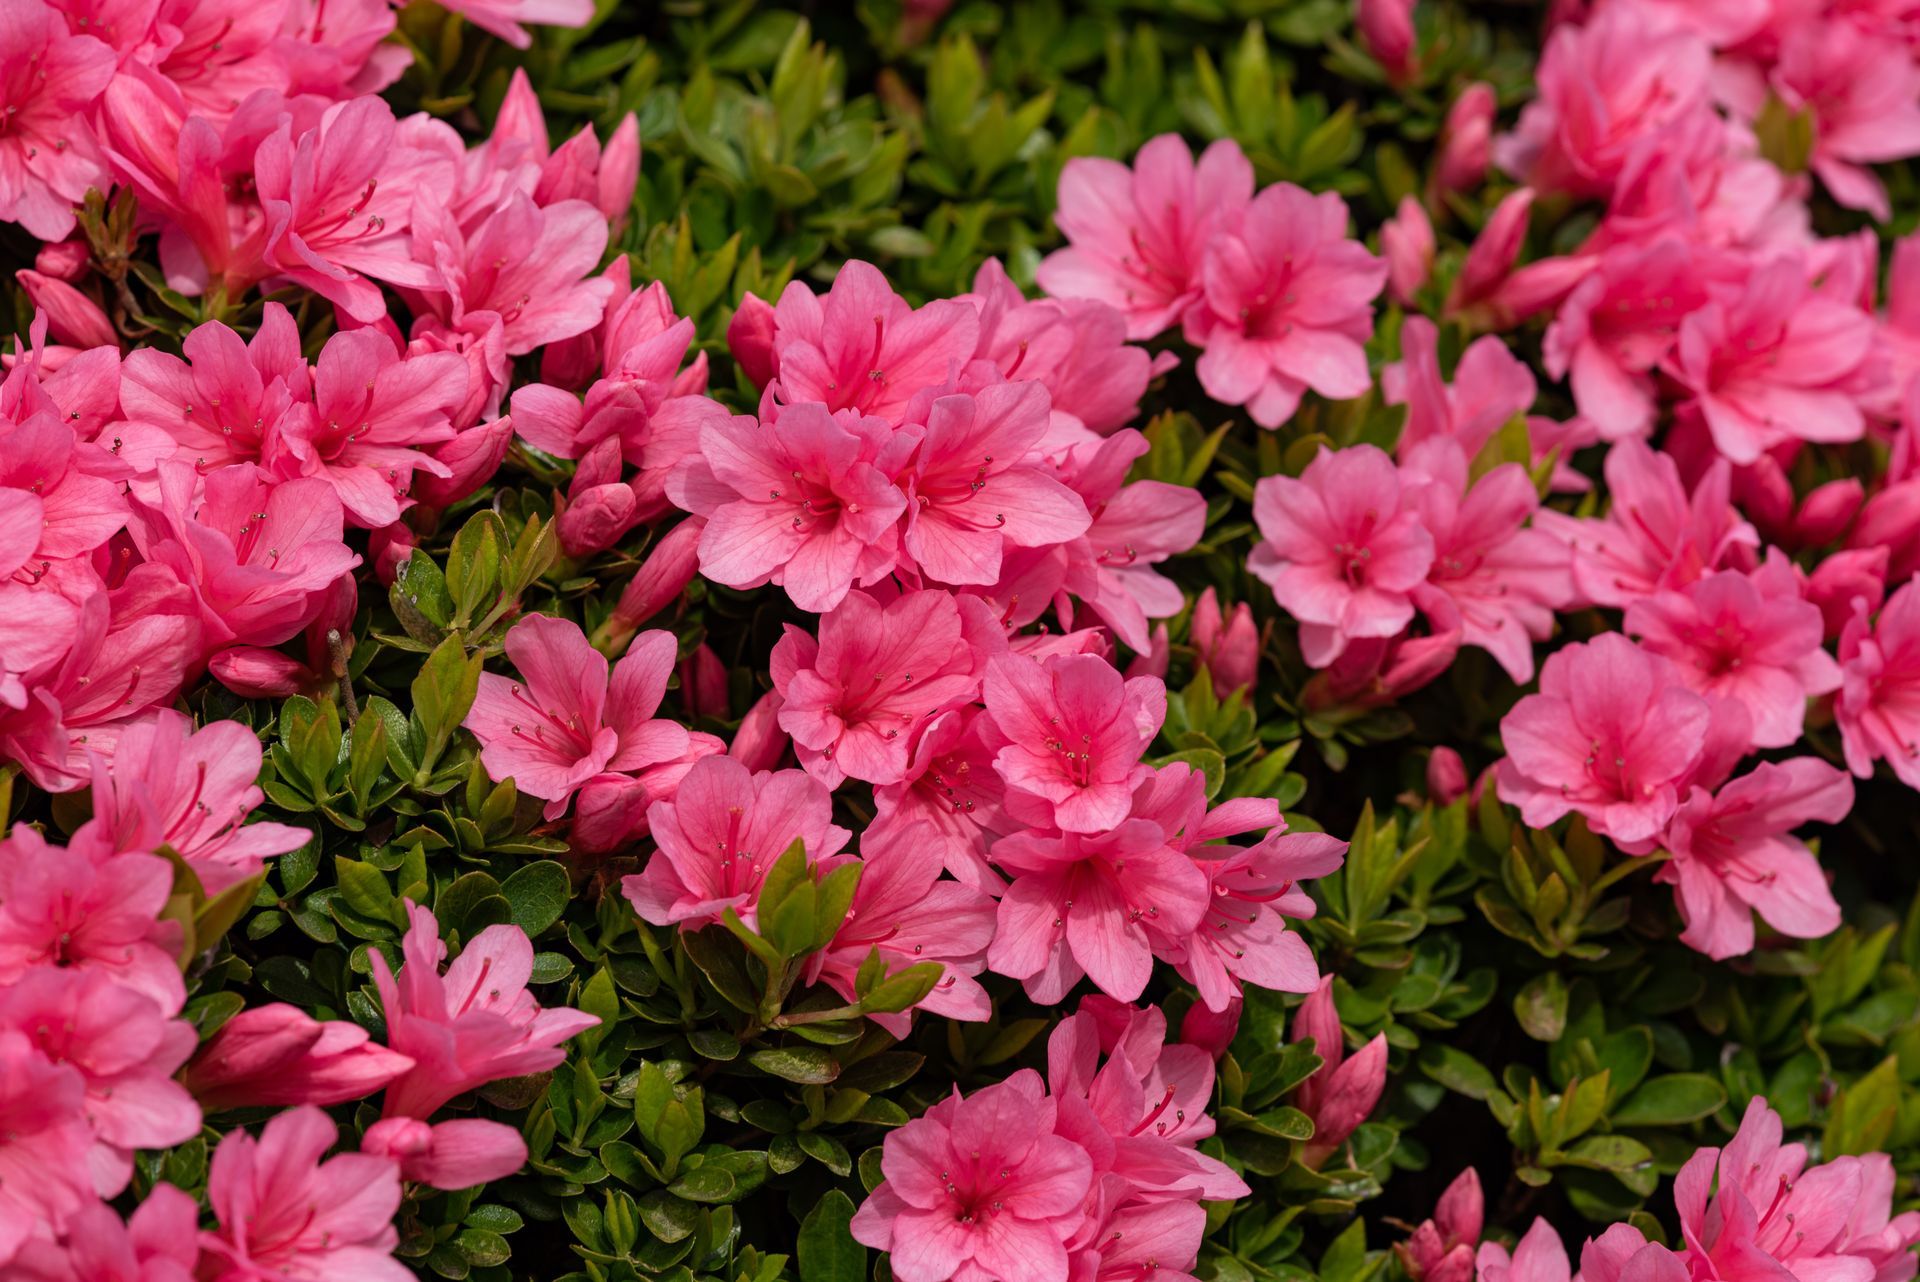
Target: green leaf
1541, 1007
828, 1252
808, 1065
539, 893
1671, 1100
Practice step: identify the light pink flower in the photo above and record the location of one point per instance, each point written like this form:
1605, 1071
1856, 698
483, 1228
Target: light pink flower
1490, 386
979, 1185
230, 401
1505, 580
48, 156
1539, 1256
1441, 1249
503, 17
190, 791
1341, 549
854, 699
903, 911
1878, 705
1406, 242
806, 500
278, 1055
1068, 733
1749, 637
1862, 92
1136, 236
1775, 363
723, 830
1288, 306
475, 1024
1734, 855
862, 348
90, 909
157, 1243
611, 809
1229, 648
1602, 88
1623, 1254
1612, 734
950, 795
284, 1213
1344, 1089
460, 1154
1375, 672
44, 1141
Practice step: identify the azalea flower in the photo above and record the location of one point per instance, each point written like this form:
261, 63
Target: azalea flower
48, 154
1343, 1090
44, 1144
1441, 1248
460, 1154
278, 1055
1878, 704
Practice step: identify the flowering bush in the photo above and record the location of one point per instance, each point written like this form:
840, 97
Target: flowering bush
1102, 642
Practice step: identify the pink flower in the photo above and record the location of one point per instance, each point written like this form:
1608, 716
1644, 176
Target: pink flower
566, 720
1771, 1213
979, 1185
903, 911
1068, 734
853, 700
974, 488
1212, 1031
759, 743
460, 1154
718, 836
1289, 306
949, 795
1612, 734
58, 508
1376, 672
670, 566
73, 317
1860, 90
258, 555
1776, 363
599, 507
277, 1055
1406, 242
611, 809
526, 264
1623, 1254
1466, 140
1229, 649
1490, 386
1655, 536
374, 412
157, 1243
48, 156
284, 1213
1341, 549
44, 1142
1878, 705
1343, 1090
750, 337
190, 791
806, 501
475, 1024
1857, 574
1539, 1256
1385, 28
1441, 1249
90, 909
1447, 780
256, 672
1734, 855
862, 348
1603, 88
230, 401
1136, 237
503, 17
1748, 637
1618, 326
126, 1051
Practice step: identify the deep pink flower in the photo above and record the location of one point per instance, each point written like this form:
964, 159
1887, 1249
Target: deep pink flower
1466, 140
1612, 734
905, 912
48, 156
854, 699
1406, 242
1376, 672
1385, 28
862, 348
1344, 1089
284, 1213
806, 500
567, 719
44, 1141
975, 488
258, 555
1229, 648
191, 791
256, 672
73, 317
979, 1185
1776, 362
1602, 88
1878, 705
126, 1051
719, 835
1862, 92
157, 1243
460, 1154
230, 401
475, 1024
1441, 1249
599, 507
57, 507
1856, 574
1749, 637
670, 566
950, 795
91, 909
1490, 386
1068, 733
1341, 549
278, 1055
760, 743
1136, 236
1288, 306
1734, 855
611, 809
1447, 780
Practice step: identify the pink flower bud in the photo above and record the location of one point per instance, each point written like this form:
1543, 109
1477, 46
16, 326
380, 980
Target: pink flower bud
750, 339
1827, 512
759, 743
1211, 1031
278, 1055
1386, 32
1406, 240
474, 455
1230, 652
1857, 574
1466, 140
1490, 260
458, 1154
72, 317
619, 174
63, 260
663, 576
1158, 655
1342, 1091
1446, 776
599, 508
387, 547
703, 684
